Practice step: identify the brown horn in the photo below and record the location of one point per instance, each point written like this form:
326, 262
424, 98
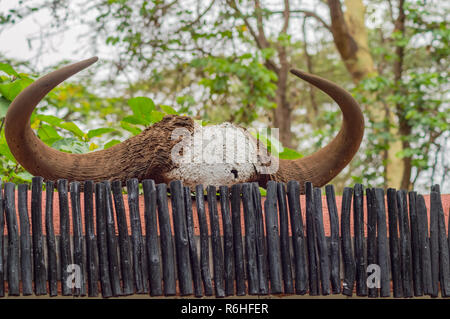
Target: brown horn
323, 165
122, 161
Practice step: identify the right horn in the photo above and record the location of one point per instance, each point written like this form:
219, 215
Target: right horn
323, 165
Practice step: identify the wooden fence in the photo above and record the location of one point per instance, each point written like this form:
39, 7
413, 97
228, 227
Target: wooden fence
180, 244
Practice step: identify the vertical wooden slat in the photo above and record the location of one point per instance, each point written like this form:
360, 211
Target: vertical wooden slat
444, 267
273, 240
78, 253
51, 241
204, 240
64, 241
216, 242
434, 249
298, 239
25, 241
335, 257
181, 238
40, 277
2, 231
371, 236
111, 240
91, 245
383, 254
139, 253
425, 253
405, 243
358, 223
393, 214
250, 238
347, 253
321, 243
167, 251
237, 239
100, 207
261, 254
311, 241
284, 240
13, 266
193, 254
415, 245
227, 240
151, 231
126, 263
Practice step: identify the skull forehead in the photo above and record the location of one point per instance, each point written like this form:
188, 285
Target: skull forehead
217, 155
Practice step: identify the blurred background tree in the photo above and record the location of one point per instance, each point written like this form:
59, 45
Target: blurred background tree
229, 60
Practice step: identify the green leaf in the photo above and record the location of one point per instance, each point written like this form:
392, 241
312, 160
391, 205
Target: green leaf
71, 145
168, 109
99, 132
24, 176
111, 143
48, 134
50, 119
142, 106
4, 150
8, 69
72, 127
130, 128
156, 116
12, 89
4, 104
132, 119
289, 153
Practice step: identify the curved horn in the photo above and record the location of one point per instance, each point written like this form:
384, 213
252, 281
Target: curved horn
323, 165
39, 159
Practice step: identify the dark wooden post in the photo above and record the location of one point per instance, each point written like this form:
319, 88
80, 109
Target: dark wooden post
444, 260
335, 257
227, 240
13, 264
40, 276
204, 240
126, 262
78, 253
64, 239
25, 240
347, 253
393, 214
371, 235
298, 239
273, 239
216, 242
151, 236
415, 242
193, 254
311, 241
111, 240
405, 243
91, 243
321, 243
261, 254
167, 251
51, 241
383, 254
237, 239
425, 253
181, 238
250, 238
100, 207
358, 223
137, 242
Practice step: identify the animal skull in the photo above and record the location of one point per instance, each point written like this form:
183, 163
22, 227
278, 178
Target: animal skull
160, 154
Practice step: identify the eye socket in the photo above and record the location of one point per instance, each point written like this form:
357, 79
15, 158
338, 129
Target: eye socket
235, 173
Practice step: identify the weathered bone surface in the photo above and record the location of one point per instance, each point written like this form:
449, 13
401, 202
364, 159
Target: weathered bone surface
161, 152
